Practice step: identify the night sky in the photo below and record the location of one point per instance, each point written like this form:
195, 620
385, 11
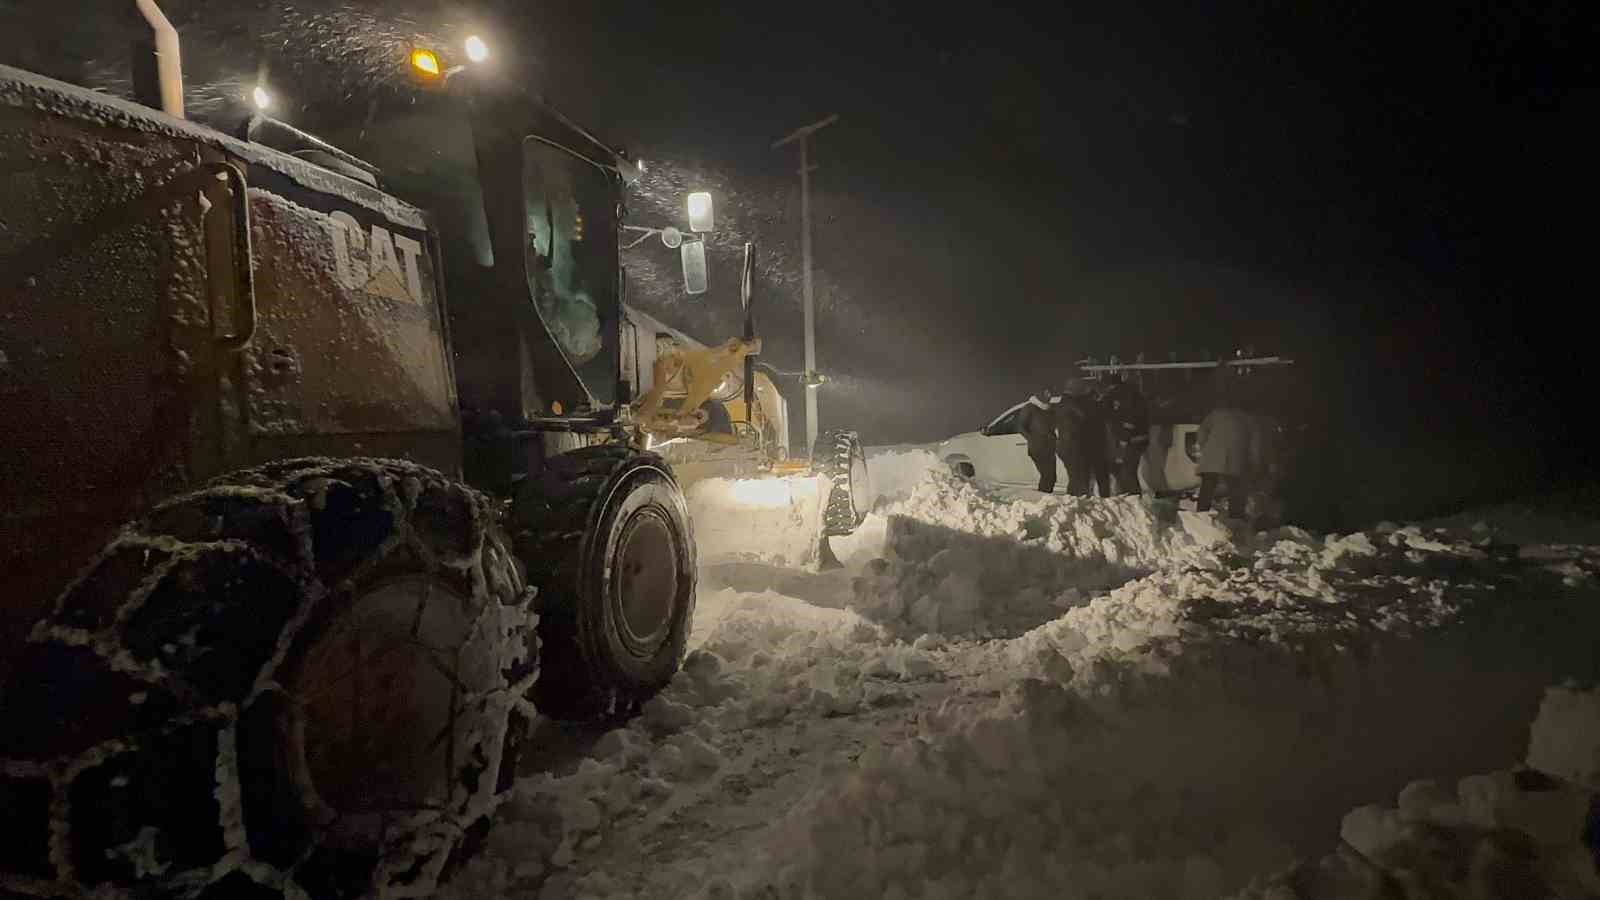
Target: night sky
1395, 196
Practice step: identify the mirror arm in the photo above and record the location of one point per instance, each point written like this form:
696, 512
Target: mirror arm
642, 238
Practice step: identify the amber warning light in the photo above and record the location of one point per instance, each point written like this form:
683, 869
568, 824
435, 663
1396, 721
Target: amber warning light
425, 62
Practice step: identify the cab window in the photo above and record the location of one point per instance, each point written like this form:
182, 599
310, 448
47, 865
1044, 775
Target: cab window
570, 243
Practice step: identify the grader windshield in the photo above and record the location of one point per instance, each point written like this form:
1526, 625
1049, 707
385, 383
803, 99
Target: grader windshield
571, 251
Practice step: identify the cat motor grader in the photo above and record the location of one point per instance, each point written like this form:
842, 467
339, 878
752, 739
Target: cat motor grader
323, 462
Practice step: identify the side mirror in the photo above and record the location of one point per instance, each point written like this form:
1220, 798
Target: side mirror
695, 278
701, 216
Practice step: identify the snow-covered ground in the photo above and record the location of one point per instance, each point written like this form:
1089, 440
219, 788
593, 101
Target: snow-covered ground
1011, 695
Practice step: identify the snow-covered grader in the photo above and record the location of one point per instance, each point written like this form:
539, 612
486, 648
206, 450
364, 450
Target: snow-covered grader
325, 472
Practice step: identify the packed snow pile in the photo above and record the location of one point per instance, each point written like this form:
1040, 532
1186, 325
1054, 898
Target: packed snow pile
1526, 832
759, 662
774, 521
957, 559
1566, 736
1042, 696
1145, 741
894, 472
1125, 531
1319, 597
1048, 794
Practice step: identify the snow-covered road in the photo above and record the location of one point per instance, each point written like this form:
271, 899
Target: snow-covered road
1009, 695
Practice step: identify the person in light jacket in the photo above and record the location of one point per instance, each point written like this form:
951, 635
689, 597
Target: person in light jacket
1230, 449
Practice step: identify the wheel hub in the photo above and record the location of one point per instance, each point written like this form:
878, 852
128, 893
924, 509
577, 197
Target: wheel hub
644, 583
378, 693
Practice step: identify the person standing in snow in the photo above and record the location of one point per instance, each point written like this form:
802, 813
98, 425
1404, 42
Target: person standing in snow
1036, 421
1128, 419
1229, 449
1081, 429
1267, 458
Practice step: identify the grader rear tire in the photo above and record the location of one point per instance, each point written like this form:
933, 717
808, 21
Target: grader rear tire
295, 682
606, 537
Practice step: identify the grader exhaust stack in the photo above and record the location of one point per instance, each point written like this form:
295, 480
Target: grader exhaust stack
169, 60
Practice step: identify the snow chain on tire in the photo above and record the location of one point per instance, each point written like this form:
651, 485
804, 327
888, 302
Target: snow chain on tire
842, 461
569, 519
167, 730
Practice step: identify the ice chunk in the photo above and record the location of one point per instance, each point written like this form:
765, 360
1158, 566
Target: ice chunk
1429, 802
1372, 830
1566, 736
663, 715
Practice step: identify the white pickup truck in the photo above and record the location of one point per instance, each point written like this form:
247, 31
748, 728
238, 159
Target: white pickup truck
998, 454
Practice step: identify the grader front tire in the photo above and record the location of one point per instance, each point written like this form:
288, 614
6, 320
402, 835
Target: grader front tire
606, 536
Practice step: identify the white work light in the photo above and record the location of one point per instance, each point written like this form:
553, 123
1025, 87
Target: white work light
260, 97
477, 50
700, 213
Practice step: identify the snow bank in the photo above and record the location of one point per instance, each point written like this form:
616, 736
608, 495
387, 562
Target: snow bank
1506, 834
1126, 531
1566, 736
1207, 719
759, 662
1175, 736
958, 559
895, 471
774, 521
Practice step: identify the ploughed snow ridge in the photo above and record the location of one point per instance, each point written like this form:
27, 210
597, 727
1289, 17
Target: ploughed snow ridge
1019, 695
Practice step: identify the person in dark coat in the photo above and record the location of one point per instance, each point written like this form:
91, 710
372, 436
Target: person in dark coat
1230, 449
1128, 419
1037, 423
1081, 429
1266, 479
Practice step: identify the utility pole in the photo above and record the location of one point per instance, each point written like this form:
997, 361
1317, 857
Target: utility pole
803, 135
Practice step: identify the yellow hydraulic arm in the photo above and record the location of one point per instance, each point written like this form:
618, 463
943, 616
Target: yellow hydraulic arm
702, 371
